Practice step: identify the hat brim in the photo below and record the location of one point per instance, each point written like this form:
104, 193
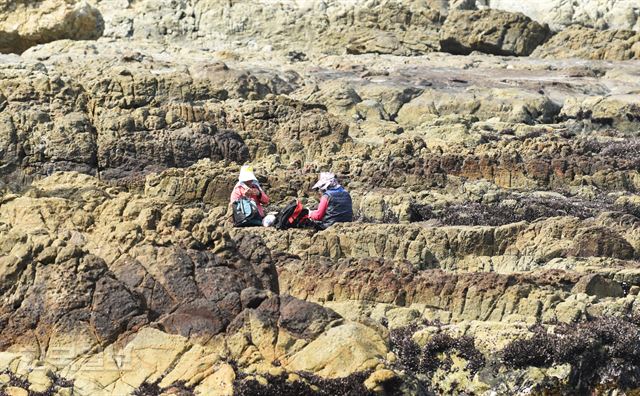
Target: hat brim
248, 176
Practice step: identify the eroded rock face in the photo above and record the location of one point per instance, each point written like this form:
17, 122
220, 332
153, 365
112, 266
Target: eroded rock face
496, 202
388, 26
561, 14
581, 42
166, 278
112, 289
492, 32
122, 120
24, 24
384, 27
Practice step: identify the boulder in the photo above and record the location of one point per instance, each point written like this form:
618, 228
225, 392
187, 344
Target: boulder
340, 351
596, 285
24, 24
619, 111
492, 32
601, 242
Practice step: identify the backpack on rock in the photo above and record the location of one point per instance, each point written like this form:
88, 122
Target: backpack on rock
245, 213
294, 215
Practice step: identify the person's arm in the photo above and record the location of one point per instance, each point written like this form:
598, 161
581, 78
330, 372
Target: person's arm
264, 198
319, 213
236, 194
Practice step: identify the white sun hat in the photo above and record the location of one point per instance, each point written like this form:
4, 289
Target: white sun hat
246, 174
326, 181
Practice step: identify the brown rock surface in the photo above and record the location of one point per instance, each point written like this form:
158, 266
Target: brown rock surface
581, 42
496, 237
24, 24
492, 32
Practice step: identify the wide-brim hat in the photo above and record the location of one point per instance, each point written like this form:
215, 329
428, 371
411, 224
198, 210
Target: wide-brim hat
246, 174
325, 180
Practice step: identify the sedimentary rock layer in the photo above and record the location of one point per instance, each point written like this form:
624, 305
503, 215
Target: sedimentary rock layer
494, 173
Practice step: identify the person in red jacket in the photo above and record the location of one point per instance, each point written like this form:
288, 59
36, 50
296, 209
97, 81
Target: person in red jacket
335, 202
248, 187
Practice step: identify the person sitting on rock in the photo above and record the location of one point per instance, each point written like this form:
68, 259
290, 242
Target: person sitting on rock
248, 187
335, 202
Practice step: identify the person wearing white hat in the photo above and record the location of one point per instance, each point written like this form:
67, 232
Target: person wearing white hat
248, 187
335, 202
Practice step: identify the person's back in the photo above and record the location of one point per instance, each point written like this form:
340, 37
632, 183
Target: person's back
335, 203
340, 207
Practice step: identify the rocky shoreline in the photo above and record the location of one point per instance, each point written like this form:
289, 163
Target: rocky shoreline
491, 147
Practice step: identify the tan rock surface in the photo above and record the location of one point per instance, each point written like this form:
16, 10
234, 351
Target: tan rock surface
580, 42
24, 24
496, 237
612, 14
360, 349
491, 31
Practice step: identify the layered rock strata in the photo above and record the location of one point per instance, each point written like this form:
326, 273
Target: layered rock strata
496, 236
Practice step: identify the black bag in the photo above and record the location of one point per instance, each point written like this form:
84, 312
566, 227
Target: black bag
245, 213
293, 215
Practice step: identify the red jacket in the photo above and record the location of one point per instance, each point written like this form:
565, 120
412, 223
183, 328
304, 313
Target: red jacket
319, 213
261, 199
